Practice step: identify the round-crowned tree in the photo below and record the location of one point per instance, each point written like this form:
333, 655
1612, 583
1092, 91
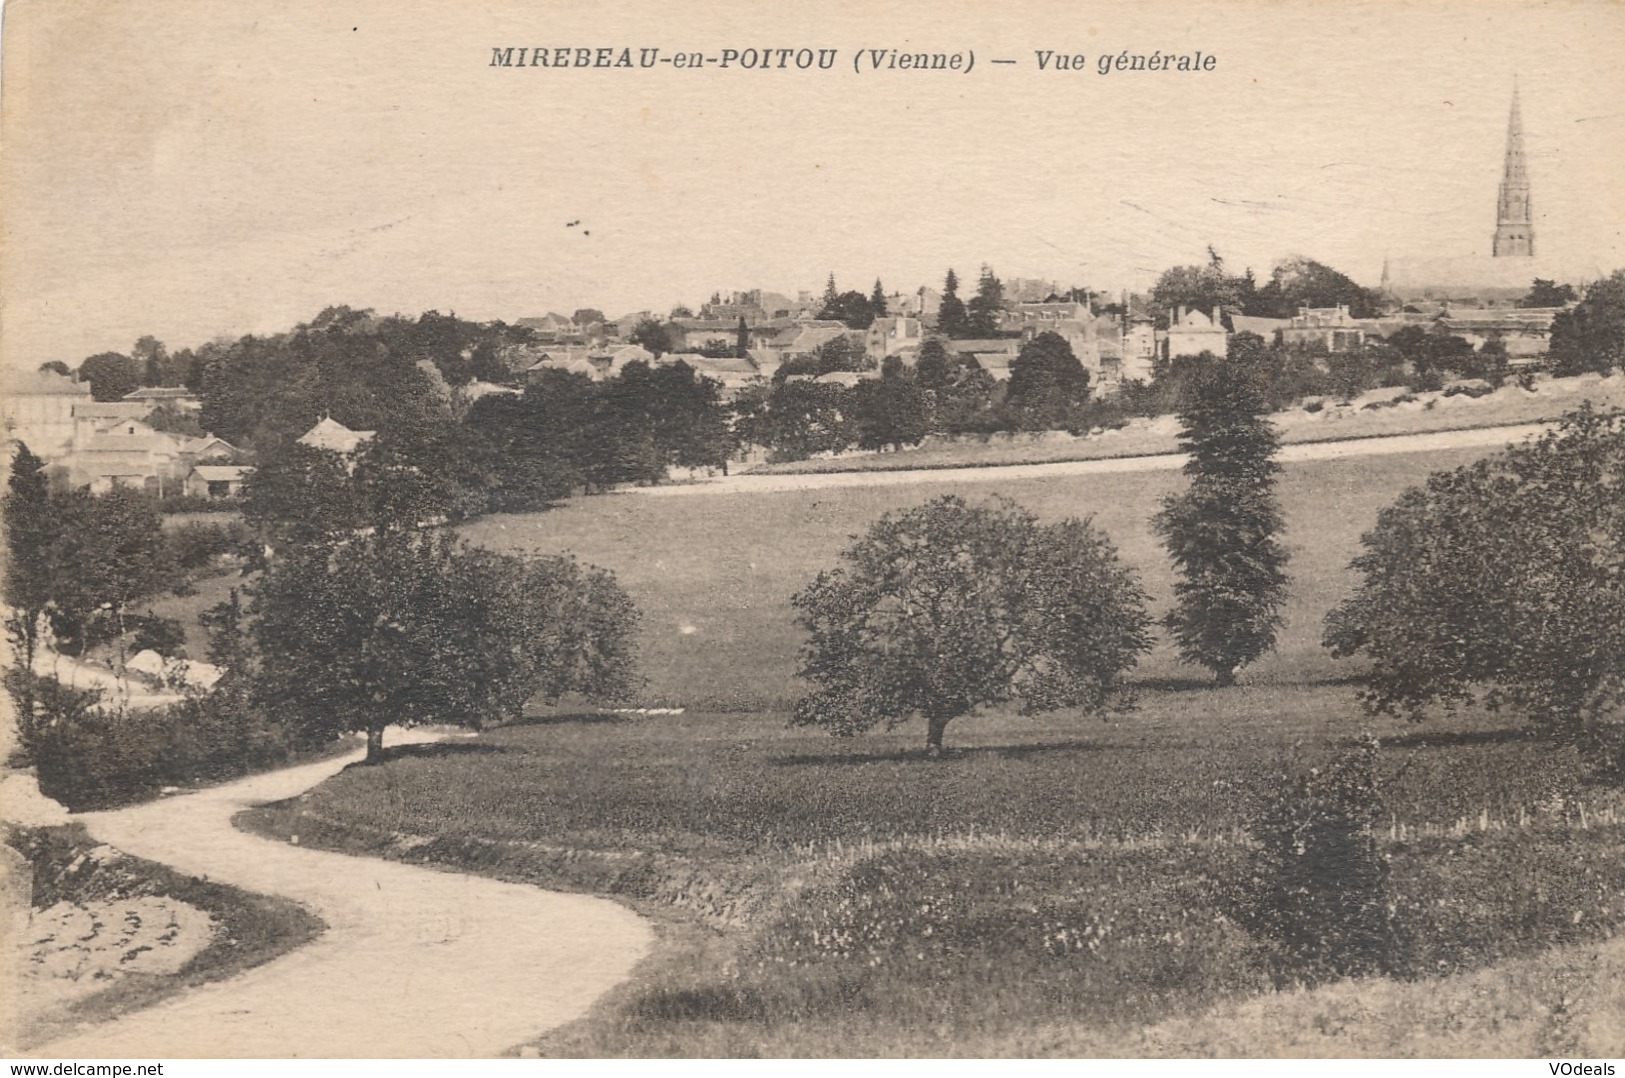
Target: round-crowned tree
408, 627
949, 607
1504, 581
1221, 531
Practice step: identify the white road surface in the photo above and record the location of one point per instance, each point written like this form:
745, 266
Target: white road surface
1487, 438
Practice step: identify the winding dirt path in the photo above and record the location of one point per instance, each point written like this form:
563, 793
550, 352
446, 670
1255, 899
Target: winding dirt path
415, 963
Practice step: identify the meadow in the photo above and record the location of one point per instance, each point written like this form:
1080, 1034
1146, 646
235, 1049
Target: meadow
713, 574
1057, 885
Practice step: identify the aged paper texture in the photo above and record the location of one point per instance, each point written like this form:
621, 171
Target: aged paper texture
234, 232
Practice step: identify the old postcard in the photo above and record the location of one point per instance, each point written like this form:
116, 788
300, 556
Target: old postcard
895, 529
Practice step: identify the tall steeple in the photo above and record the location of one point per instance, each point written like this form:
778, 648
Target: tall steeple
1514, 226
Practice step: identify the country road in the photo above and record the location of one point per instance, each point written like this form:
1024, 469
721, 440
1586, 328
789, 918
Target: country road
414, 963
747, 483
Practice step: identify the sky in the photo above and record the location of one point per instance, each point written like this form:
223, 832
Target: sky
191, 169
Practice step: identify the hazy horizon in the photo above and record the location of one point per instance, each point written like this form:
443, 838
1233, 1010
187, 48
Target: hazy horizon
190, 169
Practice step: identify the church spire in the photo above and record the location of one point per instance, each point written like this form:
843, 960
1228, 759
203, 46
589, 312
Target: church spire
1514, 227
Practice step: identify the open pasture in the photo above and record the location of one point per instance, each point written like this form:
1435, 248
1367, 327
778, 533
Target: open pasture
713, 574
1053, 885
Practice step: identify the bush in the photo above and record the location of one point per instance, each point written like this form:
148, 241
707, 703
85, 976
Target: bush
89, 756
195, 545
1470, 390
166, 636
1428, 381
1318, 892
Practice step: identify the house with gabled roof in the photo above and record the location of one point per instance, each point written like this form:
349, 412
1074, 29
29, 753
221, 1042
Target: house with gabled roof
129, 453
330, 434
1192, 332
1331, 328
892, 335
803, 338
217, 480
176, 396
569, 360
732, 372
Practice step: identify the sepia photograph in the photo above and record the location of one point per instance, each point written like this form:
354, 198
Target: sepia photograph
878, 529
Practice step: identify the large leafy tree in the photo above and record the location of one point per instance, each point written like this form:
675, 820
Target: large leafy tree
1202, 287
889, 411
949, 607
855, 309
1433, 351
1591, 336
1046, 379
1300, 281
362, 371
691, 428
300, 495
799, 419
522, 448
959, 389
153, 361
110, 553
1503, 580
111, 375
1222, 531
934, 369
1546, 293
652, 336
836, 354
412, 627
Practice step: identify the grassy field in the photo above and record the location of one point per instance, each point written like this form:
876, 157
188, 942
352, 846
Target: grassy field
1050, 883
1053, 886
713, 575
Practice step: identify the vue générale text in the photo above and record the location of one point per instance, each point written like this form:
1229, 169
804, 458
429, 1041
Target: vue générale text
860, 61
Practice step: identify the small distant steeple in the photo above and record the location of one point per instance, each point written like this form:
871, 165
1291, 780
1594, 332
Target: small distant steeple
1514, 227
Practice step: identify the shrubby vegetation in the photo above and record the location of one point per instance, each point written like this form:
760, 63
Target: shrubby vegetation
1048, 385
1317, 889
76, 561
91, 752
